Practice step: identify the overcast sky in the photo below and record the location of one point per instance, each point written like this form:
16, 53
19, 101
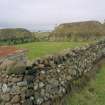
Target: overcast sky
44, 14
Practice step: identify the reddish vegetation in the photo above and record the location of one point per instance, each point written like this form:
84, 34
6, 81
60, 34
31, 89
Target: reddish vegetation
8, 50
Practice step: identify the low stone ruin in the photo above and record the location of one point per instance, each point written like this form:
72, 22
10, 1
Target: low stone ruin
47, 78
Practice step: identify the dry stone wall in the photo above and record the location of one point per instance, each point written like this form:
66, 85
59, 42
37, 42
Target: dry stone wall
48, 78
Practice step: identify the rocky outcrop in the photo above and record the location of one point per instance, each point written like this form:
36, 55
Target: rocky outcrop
50, 77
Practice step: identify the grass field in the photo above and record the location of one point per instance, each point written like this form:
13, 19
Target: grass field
94, 97
84, 97
38, 49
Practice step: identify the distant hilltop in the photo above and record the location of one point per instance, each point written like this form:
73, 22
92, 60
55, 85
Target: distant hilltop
81, 23
85, 30
75, 31
15, 35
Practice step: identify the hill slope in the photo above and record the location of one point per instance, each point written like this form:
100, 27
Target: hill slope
78, 31
41, 36
15, 35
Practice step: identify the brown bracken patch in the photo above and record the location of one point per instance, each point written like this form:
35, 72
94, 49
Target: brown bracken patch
9, 50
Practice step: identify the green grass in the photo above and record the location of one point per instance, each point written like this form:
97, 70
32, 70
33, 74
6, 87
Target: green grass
94, 97
38, 49
84, 97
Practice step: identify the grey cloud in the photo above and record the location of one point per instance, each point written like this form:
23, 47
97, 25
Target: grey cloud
46, 13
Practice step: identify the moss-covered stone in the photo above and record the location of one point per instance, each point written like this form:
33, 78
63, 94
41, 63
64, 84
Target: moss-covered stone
18, 68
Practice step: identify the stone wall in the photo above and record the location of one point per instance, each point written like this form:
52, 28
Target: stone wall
49, 78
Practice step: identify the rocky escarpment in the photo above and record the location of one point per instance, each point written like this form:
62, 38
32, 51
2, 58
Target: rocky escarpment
77, 31
50, 77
